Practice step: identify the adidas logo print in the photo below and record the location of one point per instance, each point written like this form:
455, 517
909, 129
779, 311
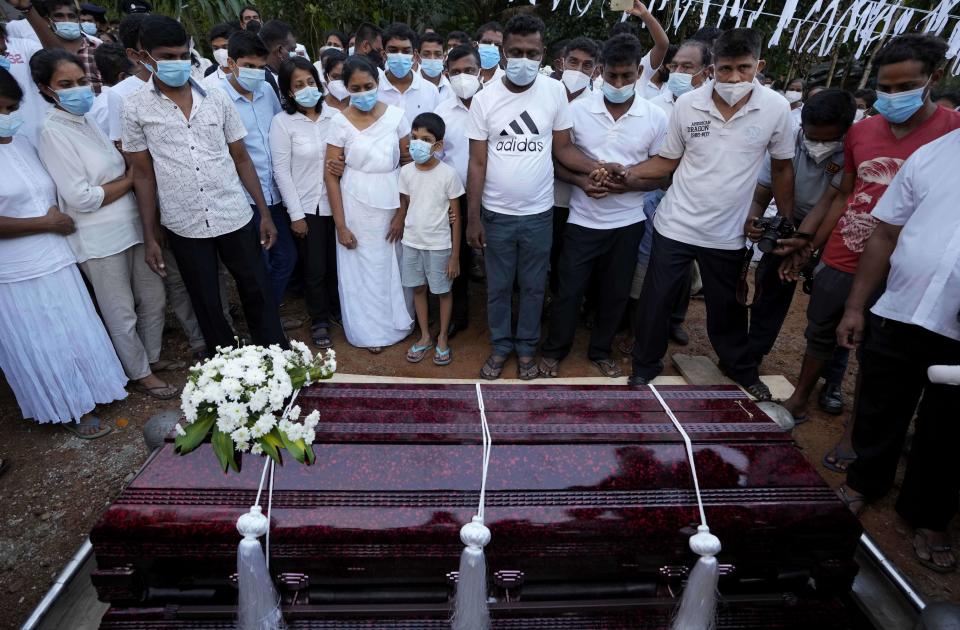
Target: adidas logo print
518, 130
515, 140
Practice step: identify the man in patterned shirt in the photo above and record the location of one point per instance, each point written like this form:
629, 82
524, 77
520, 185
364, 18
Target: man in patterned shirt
186, 145
874, 148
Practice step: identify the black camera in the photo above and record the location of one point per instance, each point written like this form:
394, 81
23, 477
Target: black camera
774, 229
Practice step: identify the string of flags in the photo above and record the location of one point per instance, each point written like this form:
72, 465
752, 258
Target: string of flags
824, 26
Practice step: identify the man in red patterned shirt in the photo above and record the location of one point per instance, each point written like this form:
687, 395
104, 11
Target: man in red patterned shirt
874, 148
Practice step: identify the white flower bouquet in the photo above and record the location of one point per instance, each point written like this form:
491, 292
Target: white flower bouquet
244, 397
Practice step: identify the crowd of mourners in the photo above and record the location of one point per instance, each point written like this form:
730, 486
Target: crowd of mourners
587, 181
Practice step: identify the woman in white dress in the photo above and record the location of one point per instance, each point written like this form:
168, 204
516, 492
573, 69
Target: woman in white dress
298, 145
371, 137
54, 351
94, 188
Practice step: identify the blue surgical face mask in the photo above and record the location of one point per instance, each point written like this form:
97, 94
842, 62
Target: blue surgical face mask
431, 67
307, 97
4, 62
521, 71
618, 95
174, 72
680, 83
251, 78
9, 123
90, 28
489, 56
67, 30
421, 151
76, 100
364, 101
399, 64
897, 108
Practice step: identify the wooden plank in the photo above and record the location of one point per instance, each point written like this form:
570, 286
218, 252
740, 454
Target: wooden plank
699, 370
780, 387
341, 377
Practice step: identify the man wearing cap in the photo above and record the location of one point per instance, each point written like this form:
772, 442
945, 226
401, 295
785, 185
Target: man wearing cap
136, 6
93, 19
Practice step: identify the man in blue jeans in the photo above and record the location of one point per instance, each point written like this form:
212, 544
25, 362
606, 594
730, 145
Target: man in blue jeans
257, 104
518, 125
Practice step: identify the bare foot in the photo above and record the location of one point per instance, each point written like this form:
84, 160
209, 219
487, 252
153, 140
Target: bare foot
797, 409
152, 381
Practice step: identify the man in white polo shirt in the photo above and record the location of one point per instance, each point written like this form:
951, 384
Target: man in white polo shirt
605, 226
431, 64
463, 72
518, 125
717, 140
400, 86
581, 56
915, 324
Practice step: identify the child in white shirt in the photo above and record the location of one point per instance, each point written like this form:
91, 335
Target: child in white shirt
429, 203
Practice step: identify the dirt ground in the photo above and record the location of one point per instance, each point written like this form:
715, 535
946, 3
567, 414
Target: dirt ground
58, 485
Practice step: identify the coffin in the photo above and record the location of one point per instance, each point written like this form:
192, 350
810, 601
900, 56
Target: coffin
589, 501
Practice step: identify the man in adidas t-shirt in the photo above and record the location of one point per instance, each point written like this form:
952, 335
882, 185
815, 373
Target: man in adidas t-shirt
518, 125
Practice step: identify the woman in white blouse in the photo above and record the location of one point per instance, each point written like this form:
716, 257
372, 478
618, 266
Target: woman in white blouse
297, 145
54, 351
94, 189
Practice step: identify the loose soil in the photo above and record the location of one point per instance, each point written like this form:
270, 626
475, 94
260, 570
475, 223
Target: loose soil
58, 485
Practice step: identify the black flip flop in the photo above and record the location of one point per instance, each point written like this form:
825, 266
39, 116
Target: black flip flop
492, 369
929, 563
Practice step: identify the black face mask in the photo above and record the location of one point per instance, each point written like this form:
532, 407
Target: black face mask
375, 58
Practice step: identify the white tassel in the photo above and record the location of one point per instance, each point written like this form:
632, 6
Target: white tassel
258, 605
698, 607
470, 610
470, 607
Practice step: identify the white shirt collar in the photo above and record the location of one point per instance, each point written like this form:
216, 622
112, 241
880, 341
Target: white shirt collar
385, 84
637, 108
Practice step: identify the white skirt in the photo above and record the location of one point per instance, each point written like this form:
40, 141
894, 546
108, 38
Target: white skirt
54, 351
372, 301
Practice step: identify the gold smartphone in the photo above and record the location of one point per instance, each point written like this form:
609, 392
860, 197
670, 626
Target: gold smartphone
621, 5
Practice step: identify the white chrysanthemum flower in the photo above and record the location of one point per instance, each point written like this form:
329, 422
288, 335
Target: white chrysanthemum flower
232, 387
263, 426
243, 447
242, 434
256, 449
179, 430
312, 419
294, 412
254, 376
258, 400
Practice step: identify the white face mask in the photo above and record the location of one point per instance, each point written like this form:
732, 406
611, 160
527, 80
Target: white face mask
574, 80
731, 93
860, 115
792, 96
220, 56
338, 90
820, 151
465, 85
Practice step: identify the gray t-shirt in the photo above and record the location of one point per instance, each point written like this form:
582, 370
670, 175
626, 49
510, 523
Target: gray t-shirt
810, 178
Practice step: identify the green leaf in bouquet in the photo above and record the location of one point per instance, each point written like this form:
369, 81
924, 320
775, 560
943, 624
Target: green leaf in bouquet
270, 443
194, 434
296, 450
224, 449
308, 451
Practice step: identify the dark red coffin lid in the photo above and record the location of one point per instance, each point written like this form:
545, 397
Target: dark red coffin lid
533, 414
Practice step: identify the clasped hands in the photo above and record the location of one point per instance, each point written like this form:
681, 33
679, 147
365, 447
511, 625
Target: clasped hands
608, 177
